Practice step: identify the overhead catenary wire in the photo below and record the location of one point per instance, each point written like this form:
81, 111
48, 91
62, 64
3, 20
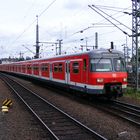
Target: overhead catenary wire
94, 26
29, 9
99, 25
89, 27
100, 22
112, 8
19, 36
108, 20
112, 17
47, 8
35, 20
88, 37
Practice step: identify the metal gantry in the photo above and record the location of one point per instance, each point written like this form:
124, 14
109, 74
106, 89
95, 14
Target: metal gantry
135, 34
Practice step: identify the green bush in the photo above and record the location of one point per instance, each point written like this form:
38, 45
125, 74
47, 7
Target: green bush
132, 93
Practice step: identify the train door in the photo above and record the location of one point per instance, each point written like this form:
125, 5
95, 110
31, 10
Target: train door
67, 71
84, 71
76, 72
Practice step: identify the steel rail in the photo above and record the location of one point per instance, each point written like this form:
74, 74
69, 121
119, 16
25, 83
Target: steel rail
130, 115
134, 107
120, 116
7, 82
125, 112
85, 128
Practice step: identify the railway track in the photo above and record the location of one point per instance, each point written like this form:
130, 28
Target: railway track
125, 111
129, 112
127, 105
59, 124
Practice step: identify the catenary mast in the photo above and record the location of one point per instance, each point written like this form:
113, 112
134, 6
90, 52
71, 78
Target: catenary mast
37, 39
135, 35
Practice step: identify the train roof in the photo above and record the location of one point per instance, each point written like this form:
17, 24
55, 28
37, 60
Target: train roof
97, 53
94, 53
105, 53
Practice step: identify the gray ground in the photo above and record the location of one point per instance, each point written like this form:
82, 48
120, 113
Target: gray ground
19, 124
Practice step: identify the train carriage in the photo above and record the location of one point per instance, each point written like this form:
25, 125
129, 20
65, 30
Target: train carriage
98, 72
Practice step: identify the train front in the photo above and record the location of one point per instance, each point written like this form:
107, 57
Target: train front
108, 73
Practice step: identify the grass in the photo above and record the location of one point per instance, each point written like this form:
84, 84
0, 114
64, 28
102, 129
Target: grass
132, 93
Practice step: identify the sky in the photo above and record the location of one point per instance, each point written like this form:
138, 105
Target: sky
72, 21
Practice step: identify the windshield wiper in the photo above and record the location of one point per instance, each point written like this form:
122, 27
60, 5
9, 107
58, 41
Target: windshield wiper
99, 60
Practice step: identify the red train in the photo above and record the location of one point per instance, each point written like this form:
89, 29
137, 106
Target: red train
98, 72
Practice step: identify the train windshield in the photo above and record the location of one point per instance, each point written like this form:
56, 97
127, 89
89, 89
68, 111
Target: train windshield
100, 64
119, 64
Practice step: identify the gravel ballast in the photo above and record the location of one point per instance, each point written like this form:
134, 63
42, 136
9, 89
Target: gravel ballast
20, 121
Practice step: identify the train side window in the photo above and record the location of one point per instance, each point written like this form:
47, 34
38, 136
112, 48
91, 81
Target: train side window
60, 67
44, 67
55, 68
84, 64
29, 67
35, 67
75, 67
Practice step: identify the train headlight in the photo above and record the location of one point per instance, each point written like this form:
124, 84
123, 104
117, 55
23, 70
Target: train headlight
125, 79
100, 80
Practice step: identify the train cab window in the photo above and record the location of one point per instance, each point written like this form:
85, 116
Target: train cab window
119, 64
75, 67
100, 65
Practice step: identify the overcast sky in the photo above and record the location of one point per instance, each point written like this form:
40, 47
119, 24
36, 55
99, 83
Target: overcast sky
60, 19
